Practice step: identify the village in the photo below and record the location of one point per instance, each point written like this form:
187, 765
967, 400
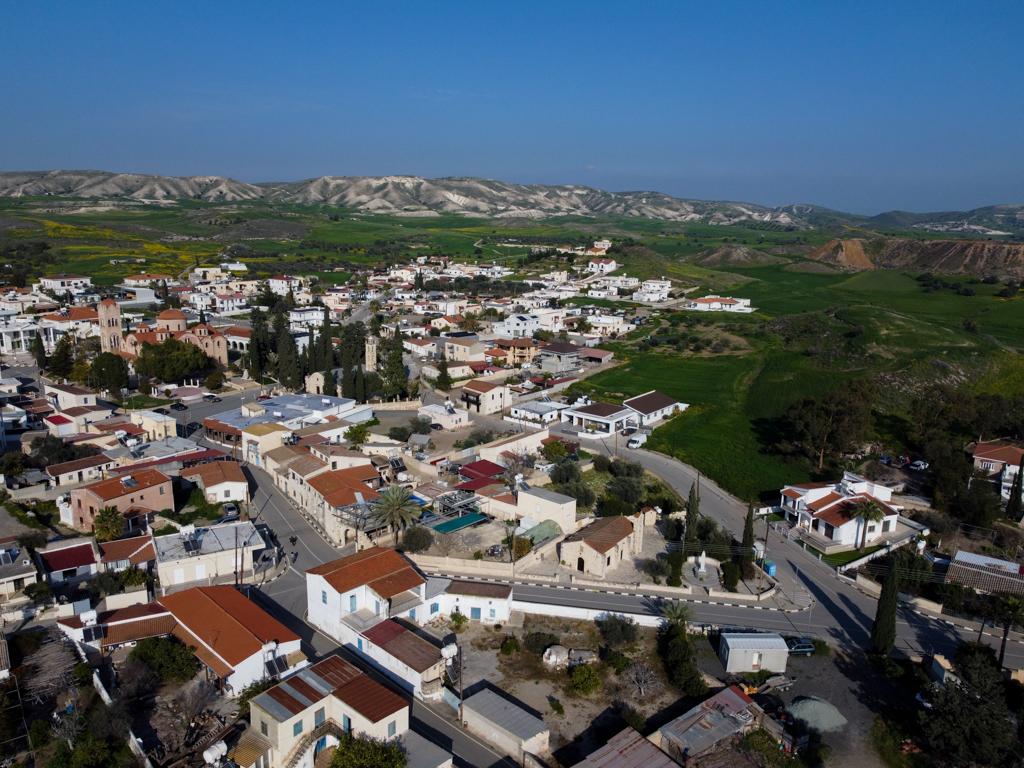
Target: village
317, 512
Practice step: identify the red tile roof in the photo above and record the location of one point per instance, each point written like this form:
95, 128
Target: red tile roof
136, 550
69, 557
115, 487
226, 621
383, 570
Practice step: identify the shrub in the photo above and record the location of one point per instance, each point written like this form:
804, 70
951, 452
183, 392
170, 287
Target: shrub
538, 642
167, 657
81, 675
821, 647
730, 576
509, 645
417, 539
478, 555
602, 463
613, 506
556, 705
629, 489
40, 733
401, 434
675, 565
457, 622
521, 547
620, 468
617, 630
617, 660
566, 471
40, 592
584, 680
214, 381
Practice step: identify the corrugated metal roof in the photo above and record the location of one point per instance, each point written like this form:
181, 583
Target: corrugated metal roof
754, 642
505, 715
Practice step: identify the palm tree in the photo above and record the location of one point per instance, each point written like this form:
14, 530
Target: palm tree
867, 511
395, 508
675, 612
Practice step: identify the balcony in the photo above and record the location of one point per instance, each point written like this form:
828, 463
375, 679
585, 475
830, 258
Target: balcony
362, 619
405, 601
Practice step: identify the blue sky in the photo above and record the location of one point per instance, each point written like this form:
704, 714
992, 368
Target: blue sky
858, 106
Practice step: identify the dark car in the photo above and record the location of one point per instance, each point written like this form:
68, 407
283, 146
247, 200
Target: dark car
162, 411
800, 646
437, 427
193, 426
179, 407
211, 398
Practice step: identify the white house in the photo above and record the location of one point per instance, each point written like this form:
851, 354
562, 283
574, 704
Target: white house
651, 407
236, 640
353, 600
999, 461
599, 419
69, 560
653, 291
602, 265
221, 481
480, 601
449, 417
715, 303
827, 512
517, 326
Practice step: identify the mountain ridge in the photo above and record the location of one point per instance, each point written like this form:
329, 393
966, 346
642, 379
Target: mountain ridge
404, 195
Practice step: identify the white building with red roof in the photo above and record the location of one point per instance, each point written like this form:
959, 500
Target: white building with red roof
715, 303
354, 601
999, 461
829, 511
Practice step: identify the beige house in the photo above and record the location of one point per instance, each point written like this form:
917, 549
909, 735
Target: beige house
260, 439
462, 350
599, 547
523, 444
540, 504
156, 425
486, 397
65, 396
203, 556
135, 495
221, 481
307, 713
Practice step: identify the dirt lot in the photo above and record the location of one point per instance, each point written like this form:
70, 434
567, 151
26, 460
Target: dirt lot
587, 722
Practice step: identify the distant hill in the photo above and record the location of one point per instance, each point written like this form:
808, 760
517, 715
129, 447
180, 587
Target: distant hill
975, 257
485, 198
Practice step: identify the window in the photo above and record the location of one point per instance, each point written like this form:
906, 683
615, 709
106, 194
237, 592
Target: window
263, 727
227, 494
392, 729
318, 717
434, 608
346, 724
492, 613
886, 525
412, 614
162, 489
297, 728
323, 596
351, 603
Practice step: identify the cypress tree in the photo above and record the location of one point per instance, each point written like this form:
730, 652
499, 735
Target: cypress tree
288, 372
1015, 504
883, 631
330, 383
360, 386
692, 515
444, 379
39, 351
63, 359
747, 555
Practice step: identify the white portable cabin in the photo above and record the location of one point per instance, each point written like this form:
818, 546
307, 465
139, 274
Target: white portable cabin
752, 652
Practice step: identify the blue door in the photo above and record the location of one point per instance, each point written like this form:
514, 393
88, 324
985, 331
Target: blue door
474, 613
320, 744
359, 643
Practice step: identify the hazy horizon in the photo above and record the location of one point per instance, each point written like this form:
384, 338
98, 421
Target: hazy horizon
863, 109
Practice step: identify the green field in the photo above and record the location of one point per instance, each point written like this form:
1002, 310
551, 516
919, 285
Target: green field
902, 332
